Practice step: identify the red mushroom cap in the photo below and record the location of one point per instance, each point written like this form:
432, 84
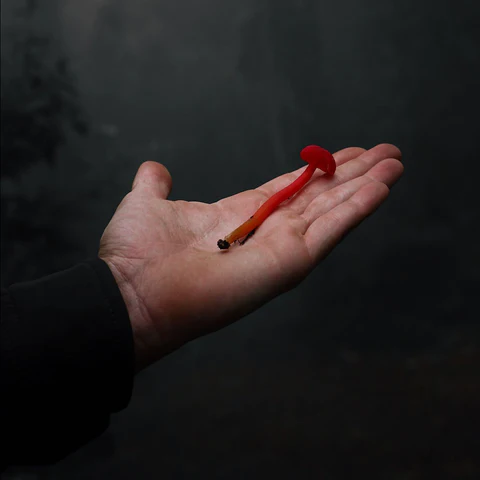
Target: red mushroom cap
319, 157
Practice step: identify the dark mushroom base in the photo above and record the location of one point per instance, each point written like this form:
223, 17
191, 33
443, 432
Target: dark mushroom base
223, 245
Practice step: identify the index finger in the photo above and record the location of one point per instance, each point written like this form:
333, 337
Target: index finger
341, 157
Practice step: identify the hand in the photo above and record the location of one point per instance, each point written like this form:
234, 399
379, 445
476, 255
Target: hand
178, 285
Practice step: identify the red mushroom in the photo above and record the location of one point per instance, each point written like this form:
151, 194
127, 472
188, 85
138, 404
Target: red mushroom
316, 157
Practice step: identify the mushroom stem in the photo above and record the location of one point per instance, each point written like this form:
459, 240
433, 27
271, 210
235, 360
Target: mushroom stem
317, 158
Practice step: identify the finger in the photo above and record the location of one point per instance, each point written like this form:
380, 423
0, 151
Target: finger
154, 177
388, 171
347, 171
329, 229
347, 154
341, 157
332, 198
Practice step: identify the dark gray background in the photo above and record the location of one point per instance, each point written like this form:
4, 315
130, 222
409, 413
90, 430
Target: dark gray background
368, 369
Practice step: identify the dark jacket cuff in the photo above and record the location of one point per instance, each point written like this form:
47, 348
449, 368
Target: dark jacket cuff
67, 362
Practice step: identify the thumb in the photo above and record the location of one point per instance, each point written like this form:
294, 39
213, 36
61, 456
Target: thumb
155, 177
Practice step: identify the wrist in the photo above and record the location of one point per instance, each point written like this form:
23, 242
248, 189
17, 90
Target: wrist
143, 334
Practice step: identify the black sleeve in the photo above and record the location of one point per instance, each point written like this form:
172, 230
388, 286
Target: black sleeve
66, 363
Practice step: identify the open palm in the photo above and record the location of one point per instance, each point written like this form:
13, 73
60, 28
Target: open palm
178, 285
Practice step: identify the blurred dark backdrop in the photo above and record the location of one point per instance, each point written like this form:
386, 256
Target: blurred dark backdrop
367, 369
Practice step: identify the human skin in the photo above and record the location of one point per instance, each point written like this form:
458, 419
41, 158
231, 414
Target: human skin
176, 283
